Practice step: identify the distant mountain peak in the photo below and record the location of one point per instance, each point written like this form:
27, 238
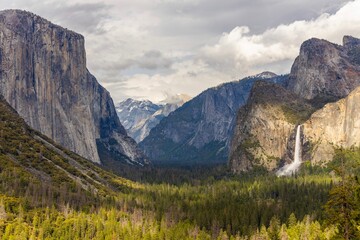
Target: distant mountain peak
265, 74
199, 131
140, 116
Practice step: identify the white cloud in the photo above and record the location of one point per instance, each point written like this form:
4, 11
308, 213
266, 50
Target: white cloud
242, 52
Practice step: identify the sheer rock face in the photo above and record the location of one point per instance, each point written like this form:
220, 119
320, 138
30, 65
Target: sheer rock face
335, 125
265, 129
324, 71
43, 76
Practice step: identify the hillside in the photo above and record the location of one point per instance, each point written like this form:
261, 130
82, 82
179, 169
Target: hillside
32, 165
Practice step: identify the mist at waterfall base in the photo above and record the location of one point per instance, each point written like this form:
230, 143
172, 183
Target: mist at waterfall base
291, 168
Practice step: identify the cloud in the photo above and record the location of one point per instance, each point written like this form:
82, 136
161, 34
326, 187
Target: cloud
141, 48
84, 17
239, 51
186, 77
153, 60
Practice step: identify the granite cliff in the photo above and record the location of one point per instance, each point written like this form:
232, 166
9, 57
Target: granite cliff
335, 125
43, 76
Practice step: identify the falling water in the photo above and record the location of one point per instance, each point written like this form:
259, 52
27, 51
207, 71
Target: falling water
294, 166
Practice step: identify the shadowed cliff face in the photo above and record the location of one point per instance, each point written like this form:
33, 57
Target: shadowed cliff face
43, 76
326, 72
200, 131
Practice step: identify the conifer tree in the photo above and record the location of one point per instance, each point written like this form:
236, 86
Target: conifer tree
342, 208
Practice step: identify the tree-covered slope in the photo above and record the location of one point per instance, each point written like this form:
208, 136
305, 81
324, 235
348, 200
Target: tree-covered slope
34, 166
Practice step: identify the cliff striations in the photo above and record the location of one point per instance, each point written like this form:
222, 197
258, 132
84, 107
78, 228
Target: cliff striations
43, 76
335, 125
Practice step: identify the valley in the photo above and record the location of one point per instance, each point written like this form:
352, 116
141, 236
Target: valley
265, 157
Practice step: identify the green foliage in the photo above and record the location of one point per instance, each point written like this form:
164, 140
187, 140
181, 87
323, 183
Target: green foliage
32, 165
297, 113
274, 229
343, 207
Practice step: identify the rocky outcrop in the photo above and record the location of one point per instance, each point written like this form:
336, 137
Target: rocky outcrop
335, 125
199, 132
264, 134
43, 76
324, 71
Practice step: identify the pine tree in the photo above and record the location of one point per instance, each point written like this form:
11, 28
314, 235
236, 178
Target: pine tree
274, 228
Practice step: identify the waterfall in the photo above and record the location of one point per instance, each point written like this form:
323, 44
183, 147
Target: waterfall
291, 168
297, 155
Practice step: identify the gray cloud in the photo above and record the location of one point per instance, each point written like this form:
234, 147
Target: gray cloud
153, 60
84, 17
213, 16
80, 16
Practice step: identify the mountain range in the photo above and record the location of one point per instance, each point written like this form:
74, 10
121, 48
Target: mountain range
250, 122
199, 132
140, 116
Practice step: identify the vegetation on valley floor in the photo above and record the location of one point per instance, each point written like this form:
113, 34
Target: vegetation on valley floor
263, 207
50, 193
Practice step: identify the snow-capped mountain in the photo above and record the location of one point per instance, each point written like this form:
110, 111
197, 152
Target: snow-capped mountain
140, 116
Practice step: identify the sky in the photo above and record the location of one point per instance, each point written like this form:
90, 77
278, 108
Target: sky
151, 49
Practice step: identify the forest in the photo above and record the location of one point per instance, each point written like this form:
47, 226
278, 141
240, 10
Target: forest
320, 205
